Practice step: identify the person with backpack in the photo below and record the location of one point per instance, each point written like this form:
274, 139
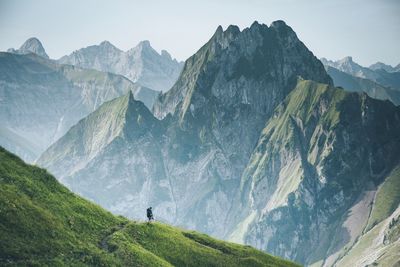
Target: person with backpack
150, 214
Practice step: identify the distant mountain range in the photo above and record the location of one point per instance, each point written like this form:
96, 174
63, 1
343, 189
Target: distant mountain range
356, 84
140, 64
378, 73
42, 99
388, 68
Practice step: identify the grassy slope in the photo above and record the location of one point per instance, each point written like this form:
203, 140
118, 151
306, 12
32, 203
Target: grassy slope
42, 223
387, 199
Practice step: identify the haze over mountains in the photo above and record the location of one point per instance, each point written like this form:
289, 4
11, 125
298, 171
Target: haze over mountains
42, 99
253, 142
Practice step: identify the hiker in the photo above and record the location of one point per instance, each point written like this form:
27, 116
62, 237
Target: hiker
150, 214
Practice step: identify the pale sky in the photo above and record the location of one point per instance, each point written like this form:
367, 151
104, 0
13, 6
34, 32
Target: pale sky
368, 30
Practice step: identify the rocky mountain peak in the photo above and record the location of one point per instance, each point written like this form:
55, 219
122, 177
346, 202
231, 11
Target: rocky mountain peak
279, 24
32, 45
165, 54
143, 47
145, 44
347, 60
256, 53
107, 45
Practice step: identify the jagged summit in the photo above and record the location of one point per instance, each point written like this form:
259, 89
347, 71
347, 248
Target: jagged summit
348, 59
144, 44
143, 47
107, 44
278, 23
255, 53
165, 53
32, 45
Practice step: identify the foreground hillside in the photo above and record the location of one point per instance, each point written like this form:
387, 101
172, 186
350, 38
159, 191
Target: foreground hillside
42, 223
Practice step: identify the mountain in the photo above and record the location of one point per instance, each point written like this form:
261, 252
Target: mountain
355, 84
68, 230
140, 64
317, 184
258, 53
32, 45
113, 157
347, 65
40, 99
380, 76
251, 144
223, 101
380, 65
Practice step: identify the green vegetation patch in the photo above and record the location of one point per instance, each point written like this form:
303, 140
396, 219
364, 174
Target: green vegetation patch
43, 224
387, 198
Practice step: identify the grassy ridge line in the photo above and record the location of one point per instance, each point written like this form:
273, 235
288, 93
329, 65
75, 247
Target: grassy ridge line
43, 224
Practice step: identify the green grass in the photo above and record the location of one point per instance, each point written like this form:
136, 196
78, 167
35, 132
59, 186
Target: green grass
301, 104
43, 224
387, 199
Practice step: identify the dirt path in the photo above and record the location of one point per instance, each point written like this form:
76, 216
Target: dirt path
104, 241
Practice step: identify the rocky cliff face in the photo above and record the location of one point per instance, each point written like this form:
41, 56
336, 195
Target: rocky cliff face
140, 64
40, 99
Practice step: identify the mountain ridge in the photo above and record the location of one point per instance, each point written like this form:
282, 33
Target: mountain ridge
356, 84
140, 64
380, 76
